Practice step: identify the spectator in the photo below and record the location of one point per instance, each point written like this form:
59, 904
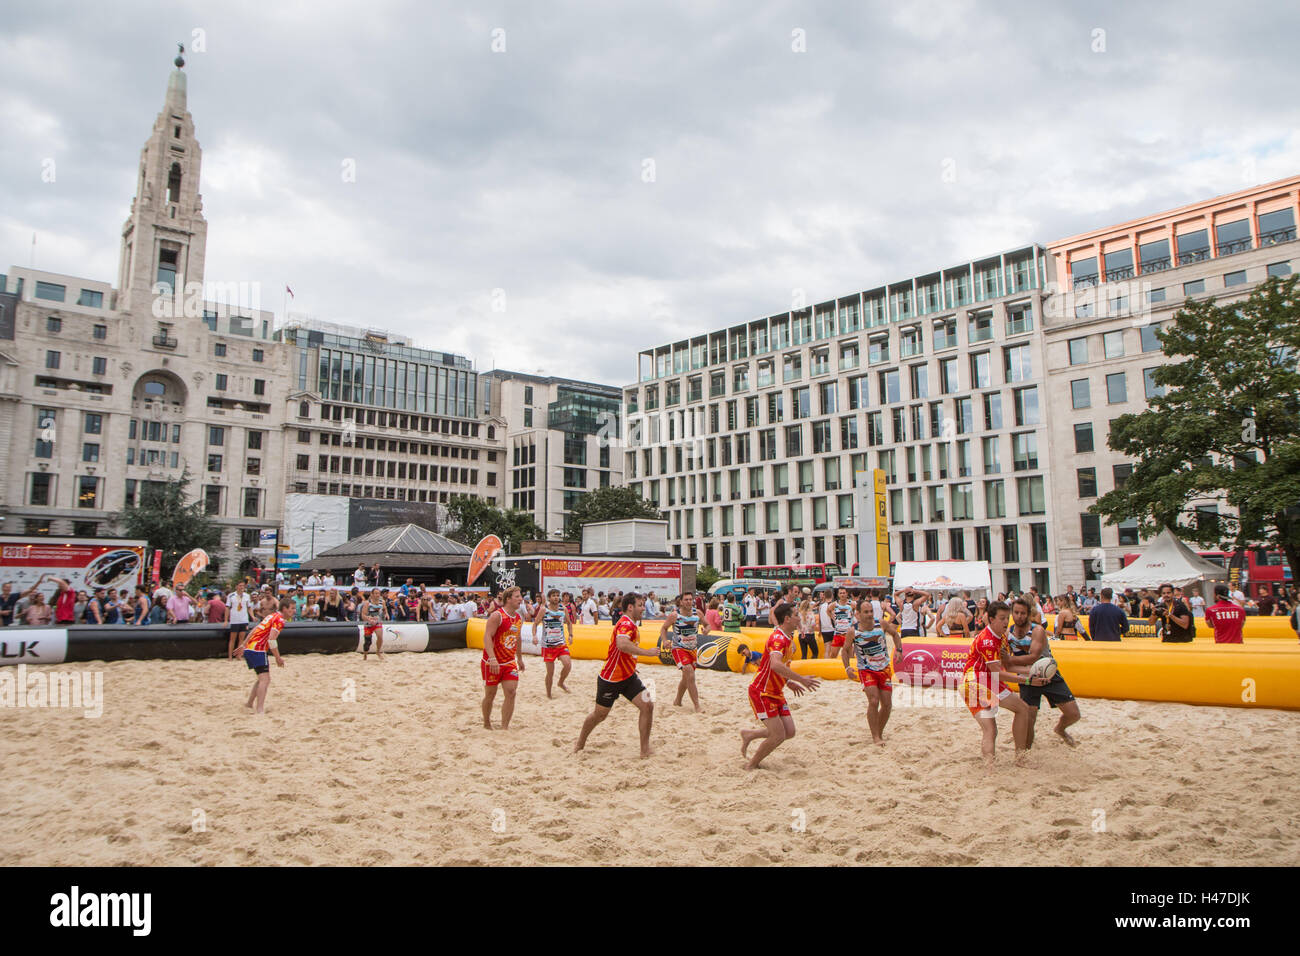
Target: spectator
359, 577
328, 580
1267, 605
179, 607
590, 609
8, 603
750, 605
651, 605
1238, 596
1197, 604
712, 617
215, 612
157, 612
1106, 621
374, 574
313, 579
37, 613
1173, 617
1225, 617
94, 610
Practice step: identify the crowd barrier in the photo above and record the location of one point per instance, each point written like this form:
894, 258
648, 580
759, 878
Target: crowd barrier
1262, 675
110, 642
1272, 627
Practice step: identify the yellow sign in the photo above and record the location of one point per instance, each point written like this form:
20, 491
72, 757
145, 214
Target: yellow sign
882, 524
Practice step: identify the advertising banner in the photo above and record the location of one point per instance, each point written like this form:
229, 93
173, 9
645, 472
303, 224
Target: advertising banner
28, 563
33, 645
399, 637
662, 577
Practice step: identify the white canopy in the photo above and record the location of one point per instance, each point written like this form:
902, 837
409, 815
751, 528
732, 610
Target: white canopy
943, 576
1165, 561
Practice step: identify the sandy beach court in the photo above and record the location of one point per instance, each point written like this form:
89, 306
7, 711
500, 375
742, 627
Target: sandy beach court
176, 772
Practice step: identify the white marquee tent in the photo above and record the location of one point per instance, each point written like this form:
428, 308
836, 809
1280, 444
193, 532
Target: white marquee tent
1165, 561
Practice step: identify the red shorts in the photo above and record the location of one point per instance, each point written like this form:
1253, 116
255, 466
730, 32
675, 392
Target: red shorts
554, 653
981, 699
838, 640
504, 672
765, 707
683, 657
881, 679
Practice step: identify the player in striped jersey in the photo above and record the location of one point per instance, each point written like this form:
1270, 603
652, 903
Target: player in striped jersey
767, 691
683, 623
554, 623
619, 677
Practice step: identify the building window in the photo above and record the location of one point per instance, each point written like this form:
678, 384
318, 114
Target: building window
1087, 478
1193, 288
258, 355
87, 492
51, 291
1116, 388
219, 349
90, 452
91, 299
99, 365
1150, 337
259, 386
39, 493
1120, 473
254, 441
53, 324
1083, 438
1112, 344
528, 418
1079, 393
1090, 525
1149, 384
212, 499
214, 463
1024, 451
1027, 412
1019, 366
1029, 495
52, 360
1234, 278
252, 502
216, 435
1279, 269
995, 502
1128, 532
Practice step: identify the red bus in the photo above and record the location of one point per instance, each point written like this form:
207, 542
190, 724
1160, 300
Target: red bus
802, 574
1267, 572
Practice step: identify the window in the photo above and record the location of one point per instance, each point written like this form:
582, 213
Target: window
1150, 338
221, 382
1149, 385
528, 417
1090, 526
258, 355
878, 350
91, 299
51, 291
948, 376
99, 365
1087, 478
1029, 495
1038, 544
965, 420
259, 386
216, 435
52, 360
791, 367
800, 403
890, 389
991, 464
93, 423
920, 381
828, 394
90, 452
909, 342
1024, 446
1026, 406
844, 503
963, 502
794, 512
793, 441
979, 327
992, 411
528, 395
1128, 532
219, 350
252, 502
995, 502
39, 493
1083, 438
831, 470
1234, 278
979, 371
819, 514
87, 492
1018, 364
1020, 318
1078, 351
1112, 344
1116, 389
849, 356
1192, 288
214, 463
1279, 269
1120, 473
1079, 393
53, 324
849, 433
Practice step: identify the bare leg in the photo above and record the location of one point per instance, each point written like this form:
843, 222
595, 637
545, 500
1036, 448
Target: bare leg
747, 737
550, 673
989, 739
508, 688
644, 721
873, 712
489, 695
379, 645
1069, 715
775, 736
886, 708
588, 725
252, 694
263, 685
689, 674
1030, 721
564, 673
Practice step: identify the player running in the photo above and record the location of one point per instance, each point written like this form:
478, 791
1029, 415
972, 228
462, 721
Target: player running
841, 614
554, 621
982, 688
254, 647
500, 665
1028, 642
767, 691
875, 668
618, 678
684, 624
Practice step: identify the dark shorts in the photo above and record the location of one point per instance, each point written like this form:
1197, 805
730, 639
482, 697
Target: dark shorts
909, 632
751, 620
608, 691
236, 629
1057, 692
256, 661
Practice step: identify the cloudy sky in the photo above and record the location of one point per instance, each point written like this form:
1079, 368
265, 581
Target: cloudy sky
626, 174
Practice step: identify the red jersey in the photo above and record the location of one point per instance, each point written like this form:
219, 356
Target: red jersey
620, 666
506, 639
984, 650
261, 635
65, 606
767, 682
1227, 620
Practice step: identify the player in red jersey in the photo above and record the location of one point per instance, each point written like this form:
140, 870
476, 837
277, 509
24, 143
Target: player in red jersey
987, 662
1226, 618
253, 649
619, 677
501, 664
767, 691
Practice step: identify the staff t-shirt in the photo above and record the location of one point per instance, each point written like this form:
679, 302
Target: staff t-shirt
1227, 620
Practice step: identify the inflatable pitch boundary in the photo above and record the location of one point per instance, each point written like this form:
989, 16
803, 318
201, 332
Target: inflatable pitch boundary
189, 642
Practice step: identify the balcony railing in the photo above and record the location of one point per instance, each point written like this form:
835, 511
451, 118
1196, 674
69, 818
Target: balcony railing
1085, 281
164, 342
1196, 255
1118, 275
1234, 246
1277, 235
1155, 265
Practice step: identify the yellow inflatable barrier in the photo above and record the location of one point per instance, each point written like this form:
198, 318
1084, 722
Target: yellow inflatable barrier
1226, 675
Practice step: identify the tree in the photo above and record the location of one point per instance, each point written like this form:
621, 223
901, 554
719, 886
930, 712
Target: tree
706, 575
1225, 431
171, 526
473, 518
608, 504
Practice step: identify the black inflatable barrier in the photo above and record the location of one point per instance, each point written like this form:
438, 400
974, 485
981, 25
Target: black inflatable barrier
119, 642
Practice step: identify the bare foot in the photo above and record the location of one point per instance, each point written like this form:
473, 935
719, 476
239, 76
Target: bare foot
1022, 756
745, 741
1065, 735
646, 751
878, 741
577, 748
487, 725
699, 709
565, 689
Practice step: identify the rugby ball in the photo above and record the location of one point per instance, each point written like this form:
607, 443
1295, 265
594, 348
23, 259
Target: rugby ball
1044, 667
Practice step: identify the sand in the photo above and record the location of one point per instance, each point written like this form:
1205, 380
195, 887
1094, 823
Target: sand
176, 772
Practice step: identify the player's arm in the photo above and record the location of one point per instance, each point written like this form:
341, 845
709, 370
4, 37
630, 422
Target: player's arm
669, 621
892, 630
844, 655
629, 645
273, 645
489, 639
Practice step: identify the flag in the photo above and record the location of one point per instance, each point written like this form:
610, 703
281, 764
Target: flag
288, 290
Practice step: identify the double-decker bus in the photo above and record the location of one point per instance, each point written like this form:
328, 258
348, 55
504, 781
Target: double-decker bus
805, 575
1267, 572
